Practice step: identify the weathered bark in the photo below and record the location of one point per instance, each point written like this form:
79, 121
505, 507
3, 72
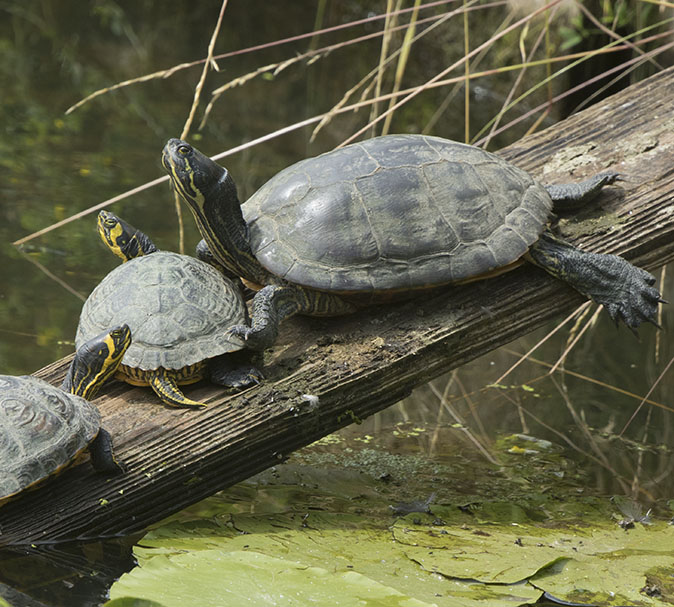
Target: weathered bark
361, 364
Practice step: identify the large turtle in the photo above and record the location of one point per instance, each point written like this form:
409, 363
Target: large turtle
44, 428
179, 309
388, 216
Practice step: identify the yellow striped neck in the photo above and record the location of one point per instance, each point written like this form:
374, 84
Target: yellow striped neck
95, 361
217, 211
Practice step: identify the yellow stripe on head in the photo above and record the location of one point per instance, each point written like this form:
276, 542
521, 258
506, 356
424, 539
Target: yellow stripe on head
98, 359
111, 231
123, 239
190, 192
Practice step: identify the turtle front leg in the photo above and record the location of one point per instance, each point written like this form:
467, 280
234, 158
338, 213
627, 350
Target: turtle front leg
102, 456
164, 384
571, 196
627, 292
274, 303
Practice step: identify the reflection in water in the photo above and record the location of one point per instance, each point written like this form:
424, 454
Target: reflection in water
68, 575
591, 420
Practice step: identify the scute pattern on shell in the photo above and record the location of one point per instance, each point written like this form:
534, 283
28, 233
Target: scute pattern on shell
41, 430
395, 212
177, 307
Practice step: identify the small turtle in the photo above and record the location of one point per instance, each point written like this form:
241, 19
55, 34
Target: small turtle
44, 429
179, 309
388, 217
421, 506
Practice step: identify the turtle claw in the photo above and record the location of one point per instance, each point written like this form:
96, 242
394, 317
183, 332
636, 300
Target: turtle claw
256, 337
240, 331
639, 304
609, 177
649, 279
628, 293
571, 196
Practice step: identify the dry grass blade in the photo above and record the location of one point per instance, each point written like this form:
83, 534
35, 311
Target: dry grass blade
356, 106
208, 64
93, 209
591, 380
167, 73
339, 107
473, 407
275, 68
632, 62
402, 60
466, 84
582, 57
612, 34
663, 276
623, 482
463, 427
52, 276
544, 35
442, 107
146, 78
581, 424
385, 43
638, 471
372, 75
456, 64
577, 337
579, 310
645, 398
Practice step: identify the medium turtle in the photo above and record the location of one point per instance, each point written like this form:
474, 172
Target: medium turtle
390, 216
43, 429
179, 309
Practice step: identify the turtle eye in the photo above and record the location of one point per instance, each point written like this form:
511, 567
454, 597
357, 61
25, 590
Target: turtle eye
183, 150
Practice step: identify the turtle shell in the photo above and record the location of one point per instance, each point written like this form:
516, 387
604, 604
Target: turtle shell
395, 212
177, 307
42, 429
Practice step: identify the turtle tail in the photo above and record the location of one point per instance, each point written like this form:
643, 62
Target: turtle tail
166, 387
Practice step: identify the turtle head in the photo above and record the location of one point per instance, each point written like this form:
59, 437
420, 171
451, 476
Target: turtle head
200, 181
96, 360
123, 239
210, 192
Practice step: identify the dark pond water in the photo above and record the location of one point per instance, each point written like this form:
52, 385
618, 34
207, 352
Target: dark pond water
53, 53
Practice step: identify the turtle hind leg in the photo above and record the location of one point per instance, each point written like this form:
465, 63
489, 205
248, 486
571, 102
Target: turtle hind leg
572, 196
102, 456
627, 292
235, 370
164, 384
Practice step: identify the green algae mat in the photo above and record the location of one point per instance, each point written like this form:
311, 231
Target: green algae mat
328, 530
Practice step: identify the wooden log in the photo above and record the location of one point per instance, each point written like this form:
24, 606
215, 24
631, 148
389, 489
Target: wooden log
327, 373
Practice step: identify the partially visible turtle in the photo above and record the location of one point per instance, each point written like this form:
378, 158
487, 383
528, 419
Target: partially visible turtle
390, 216
179, 309
44, 428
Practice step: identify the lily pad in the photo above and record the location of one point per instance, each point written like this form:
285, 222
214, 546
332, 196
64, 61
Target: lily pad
335, 542
216, 578
601, 565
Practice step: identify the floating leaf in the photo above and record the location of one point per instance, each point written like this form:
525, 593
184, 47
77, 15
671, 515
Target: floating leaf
216, 578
